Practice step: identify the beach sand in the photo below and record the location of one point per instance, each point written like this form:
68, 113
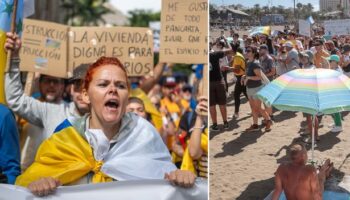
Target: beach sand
242, 164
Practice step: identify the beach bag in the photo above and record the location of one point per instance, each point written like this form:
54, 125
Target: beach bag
264, 79
346, 68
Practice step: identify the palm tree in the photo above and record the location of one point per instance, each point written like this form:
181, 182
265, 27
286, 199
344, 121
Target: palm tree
85, 12
274, 9
299, 9
257, 12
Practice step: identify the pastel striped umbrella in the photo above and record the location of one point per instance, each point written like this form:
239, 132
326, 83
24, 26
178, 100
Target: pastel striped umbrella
310, 91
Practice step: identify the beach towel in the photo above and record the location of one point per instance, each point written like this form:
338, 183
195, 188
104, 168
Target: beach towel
327, 195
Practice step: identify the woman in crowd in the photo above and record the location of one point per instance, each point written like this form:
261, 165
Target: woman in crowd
253, 82
107, 145
196, 154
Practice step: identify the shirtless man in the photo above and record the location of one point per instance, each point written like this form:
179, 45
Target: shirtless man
298, 180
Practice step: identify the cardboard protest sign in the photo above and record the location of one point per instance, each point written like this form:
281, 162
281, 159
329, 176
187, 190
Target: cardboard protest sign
337, 27
304, 28
44, 48
132, 46
184, 31
54, 49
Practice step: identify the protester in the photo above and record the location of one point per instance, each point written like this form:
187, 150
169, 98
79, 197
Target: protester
51, 90
239, 69
252, 80
306, 59
320, 55
197, 148
44, 115
217, 90
298, 180
135, 105
297, 44
124, 145
9, 147
334, 64
268, 68
292, 59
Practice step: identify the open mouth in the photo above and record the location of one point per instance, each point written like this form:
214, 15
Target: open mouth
112, 104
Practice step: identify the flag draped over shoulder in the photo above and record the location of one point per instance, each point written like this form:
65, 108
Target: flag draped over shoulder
66, 156
6, 10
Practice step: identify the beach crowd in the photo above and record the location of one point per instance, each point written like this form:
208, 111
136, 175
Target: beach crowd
256, 60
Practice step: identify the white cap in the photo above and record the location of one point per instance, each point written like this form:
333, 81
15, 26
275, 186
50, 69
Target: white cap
288, 44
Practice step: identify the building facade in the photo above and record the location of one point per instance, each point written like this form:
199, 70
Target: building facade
331, 5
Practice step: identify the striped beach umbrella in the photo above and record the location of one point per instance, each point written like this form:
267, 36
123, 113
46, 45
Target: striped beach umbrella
310, 91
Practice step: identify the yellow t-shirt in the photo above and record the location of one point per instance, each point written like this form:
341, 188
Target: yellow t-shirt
174, 109
238, 64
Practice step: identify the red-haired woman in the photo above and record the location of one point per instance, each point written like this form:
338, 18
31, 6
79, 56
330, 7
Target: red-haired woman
107, 145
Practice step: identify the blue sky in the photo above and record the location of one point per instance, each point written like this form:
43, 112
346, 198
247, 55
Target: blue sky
127, 5
251, 3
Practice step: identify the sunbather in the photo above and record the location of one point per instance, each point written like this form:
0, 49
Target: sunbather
298, 180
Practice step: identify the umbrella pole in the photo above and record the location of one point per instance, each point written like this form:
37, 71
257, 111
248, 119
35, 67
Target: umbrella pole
313, 138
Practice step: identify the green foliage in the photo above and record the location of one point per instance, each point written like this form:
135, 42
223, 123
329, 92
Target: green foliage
141, 18
85, 12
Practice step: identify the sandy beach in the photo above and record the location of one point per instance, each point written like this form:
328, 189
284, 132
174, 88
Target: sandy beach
242, 164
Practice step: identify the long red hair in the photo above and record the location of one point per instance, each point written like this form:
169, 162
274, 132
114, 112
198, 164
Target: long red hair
99, 63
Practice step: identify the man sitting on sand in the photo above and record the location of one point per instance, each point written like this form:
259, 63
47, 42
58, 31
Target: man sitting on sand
298, 180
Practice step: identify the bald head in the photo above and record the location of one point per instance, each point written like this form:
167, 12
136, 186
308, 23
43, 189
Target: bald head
297, 153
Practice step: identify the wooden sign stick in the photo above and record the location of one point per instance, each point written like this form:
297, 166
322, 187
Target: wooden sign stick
12, 29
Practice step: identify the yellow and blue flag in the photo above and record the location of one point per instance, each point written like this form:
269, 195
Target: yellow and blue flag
6, 10
266, 30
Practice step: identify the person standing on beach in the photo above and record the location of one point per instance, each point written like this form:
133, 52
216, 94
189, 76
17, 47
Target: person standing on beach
292, 60
239, 67
252, 79
298, 180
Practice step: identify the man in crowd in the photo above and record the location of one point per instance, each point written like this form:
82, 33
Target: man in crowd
268, 68
217, 90
320, 55
292, 60
296, 43
46, 114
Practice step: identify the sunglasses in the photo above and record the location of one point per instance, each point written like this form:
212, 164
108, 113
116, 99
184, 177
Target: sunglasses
248, 51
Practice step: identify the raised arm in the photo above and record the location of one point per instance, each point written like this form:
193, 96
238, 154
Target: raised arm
194, 146
27, 107
148, 84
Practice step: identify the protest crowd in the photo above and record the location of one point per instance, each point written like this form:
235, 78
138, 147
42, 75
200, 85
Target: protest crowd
259, 57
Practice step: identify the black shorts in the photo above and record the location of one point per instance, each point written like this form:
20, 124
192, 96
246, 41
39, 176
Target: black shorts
217, 93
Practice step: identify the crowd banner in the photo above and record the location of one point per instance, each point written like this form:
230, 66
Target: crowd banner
132, 45
184, 31
304, 28
55, 49
131, 190
337, 27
